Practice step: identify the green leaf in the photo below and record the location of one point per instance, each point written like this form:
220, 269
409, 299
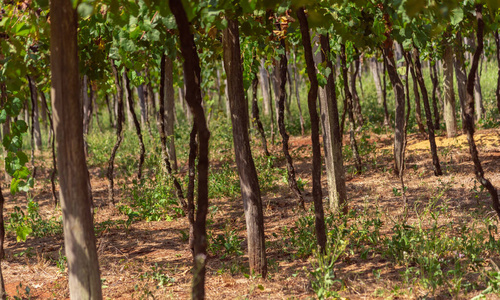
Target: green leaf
85, 9
457, 15
22, 232
3, 116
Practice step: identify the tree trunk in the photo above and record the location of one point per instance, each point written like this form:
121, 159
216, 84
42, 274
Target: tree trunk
461, 75
313, 113
54, 161
469, 113
376, 78
142, 105
137, 126
193, 149
264, 79
418, 109
164, 82
271, 107
281, 69
79, 237
387, 119
110, 111
255, 115
399, 94
428, 115
119, 132
297, 94
192, 76
87, 106
435, 107
249, 183
332, 142
170, 111
349, 109
497, 91
356, 106
35, 136
449, 115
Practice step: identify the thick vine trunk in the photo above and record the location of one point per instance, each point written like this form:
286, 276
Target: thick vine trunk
332, 142
250, 190
256, 117
449, 115
170, 112
137, 126
34, 96
193, 150
192, 76
428, 115
356, 105
387, 119
418, 109
376, 78
282, 72
142, 104
297, 94
469, 113
35, 118
110, 111
79, 237
313, 113
264, 83
162, 130
399, 94
119, 132
349, 109
461, 75
52, 145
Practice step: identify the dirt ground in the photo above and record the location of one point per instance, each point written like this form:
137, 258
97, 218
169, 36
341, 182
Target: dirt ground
133, 263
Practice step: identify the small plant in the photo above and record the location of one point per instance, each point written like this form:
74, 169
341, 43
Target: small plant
323, 278
228, 244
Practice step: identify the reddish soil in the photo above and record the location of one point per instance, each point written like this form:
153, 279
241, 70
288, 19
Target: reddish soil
126, 257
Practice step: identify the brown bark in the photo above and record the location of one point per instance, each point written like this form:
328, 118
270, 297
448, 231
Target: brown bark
79, 237
418, 109
469, 113
356, 106
313, 113
192, 76
193, 150
297, 94
250, 190
282, 73
54, 161
256, 117
169, 99
137, 126
461, 75
449, 115
332, 140
384, 91
399, 94
349, 109
119, 132
163, 137
428, 115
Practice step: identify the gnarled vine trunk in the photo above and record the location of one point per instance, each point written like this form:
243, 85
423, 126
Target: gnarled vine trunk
469, 113
313, 113
250, 190
79, 237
